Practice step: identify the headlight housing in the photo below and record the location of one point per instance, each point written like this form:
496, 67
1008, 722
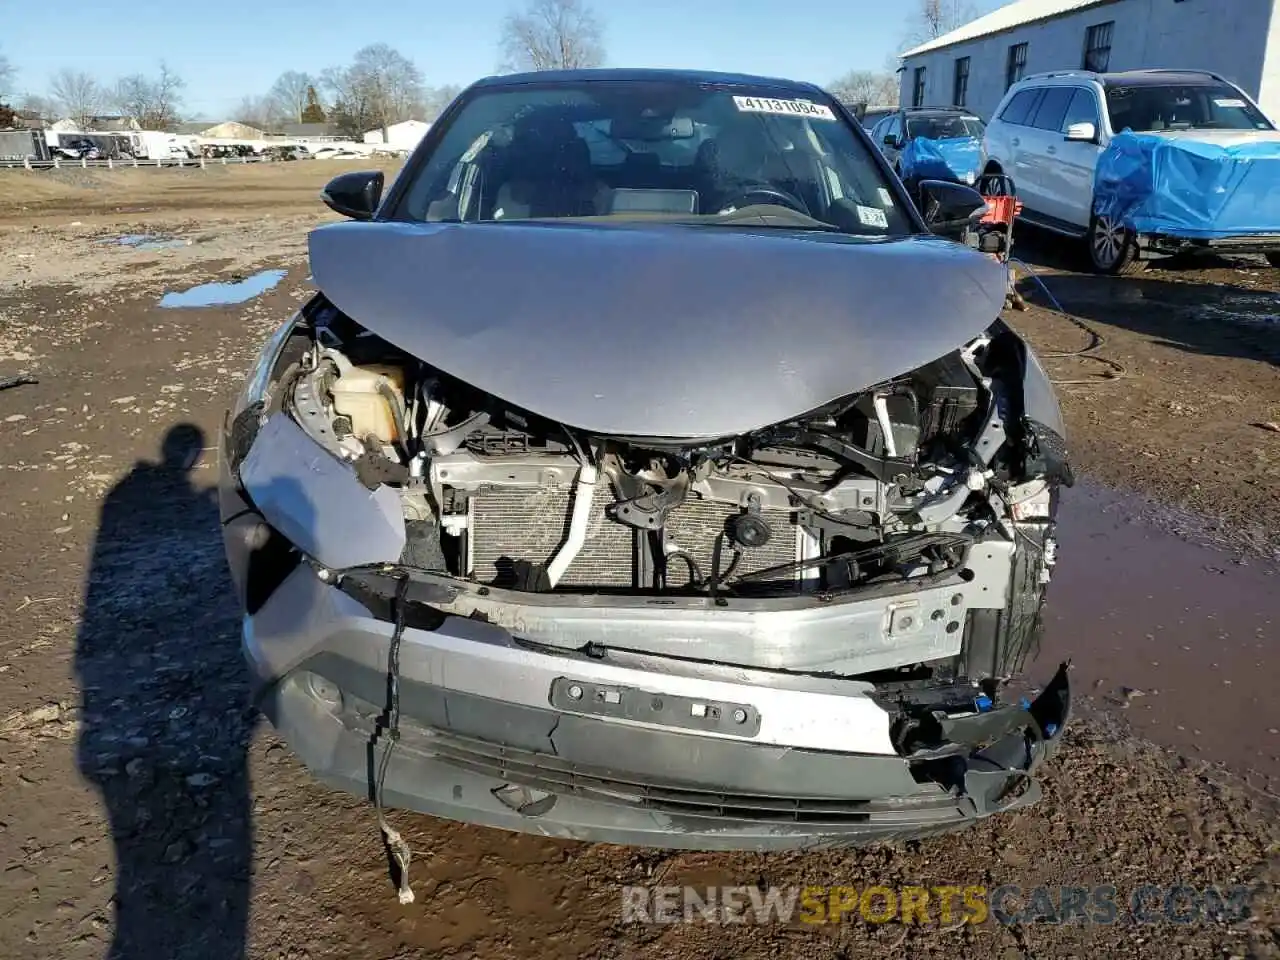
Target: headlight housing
255, 388
246, 414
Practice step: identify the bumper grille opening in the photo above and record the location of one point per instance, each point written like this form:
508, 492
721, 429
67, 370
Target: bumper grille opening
554, 775
530, 524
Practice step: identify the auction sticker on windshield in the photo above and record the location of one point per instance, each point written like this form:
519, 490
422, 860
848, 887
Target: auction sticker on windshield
786, 108
871, 217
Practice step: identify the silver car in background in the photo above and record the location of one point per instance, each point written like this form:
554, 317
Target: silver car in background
648, 469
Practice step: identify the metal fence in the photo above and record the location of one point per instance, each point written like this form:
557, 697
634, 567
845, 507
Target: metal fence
111, 164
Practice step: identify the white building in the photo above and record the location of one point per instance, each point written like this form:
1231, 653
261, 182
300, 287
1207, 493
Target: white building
399, 136
974, 65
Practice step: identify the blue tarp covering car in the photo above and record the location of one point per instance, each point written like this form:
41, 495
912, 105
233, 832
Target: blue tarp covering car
1188, 187
953, 158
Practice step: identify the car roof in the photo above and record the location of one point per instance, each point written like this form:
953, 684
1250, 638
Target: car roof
1122, 78
939, 112
1145, 78
624, 74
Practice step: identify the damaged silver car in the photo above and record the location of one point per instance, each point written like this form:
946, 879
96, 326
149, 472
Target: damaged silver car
648, 469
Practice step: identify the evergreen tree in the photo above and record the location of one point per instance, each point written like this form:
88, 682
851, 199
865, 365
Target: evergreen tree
313, 112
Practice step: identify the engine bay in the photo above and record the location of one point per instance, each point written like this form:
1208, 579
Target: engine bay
894, 483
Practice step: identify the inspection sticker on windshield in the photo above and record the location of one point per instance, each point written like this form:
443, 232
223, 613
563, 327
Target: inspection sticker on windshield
787, 108
871, 217
1238, 104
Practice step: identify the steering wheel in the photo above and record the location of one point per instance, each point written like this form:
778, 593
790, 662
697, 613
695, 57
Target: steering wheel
765, 195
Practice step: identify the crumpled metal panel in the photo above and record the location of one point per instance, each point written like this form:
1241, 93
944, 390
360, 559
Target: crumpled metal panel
316, 502
658, 330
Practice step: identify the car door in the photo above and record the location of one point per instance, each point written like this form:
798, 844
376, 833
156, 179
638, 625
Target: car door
1004, 136
877, 131
1039, 181
1077, 159
893, 147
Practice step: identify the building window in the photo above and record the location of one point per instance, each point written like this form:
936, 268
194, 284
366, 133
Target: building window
1097, 47
1016, 67
917, 91
960, 93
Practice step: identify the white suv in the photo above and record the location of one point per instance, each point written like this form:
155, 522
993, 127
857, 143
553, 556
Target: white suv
1049, 130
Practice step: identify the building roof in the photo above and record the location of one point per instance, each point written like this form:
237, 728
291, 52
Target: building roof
308, 129
400, 125
1016, 14
235, 128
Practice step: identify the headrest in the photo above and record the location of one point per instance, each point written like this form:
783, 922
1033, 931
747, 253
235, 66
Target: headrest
546, 146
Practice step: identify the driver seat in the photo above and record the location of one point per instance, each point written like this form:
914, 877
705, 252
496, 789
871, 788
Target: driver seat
548, 173
743, 156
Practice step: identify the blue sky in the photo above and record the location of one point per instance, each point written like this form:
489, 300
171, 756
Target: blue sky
227, 49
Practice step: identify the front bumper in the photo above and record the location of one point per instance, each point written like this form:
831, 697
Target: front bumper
617, 747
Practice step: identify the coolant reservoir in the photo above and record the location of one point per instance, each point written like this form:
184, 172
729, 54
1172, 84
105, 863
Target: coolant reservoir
356, 397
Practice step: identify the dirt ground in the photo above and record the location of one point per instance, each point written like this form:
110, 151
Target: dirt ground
142, 799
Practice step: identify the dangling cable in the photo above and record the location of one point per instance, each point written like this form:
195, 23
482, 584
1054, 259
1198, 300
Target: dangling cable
396, 844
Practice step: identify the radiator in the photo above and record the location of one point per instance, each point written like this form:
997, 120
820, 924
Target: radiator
530, 524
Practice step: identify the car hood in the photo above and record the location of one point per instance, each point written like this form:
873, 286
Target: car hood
682, 332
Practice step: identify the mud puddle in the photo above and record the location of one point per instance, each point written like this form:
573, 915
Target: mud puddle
1213, 303
1178, 635
1251, 310
146, 241
224, 294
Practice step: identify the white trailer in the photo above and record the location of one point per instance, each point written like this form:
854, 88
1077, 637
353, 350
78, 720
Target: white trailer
158, 145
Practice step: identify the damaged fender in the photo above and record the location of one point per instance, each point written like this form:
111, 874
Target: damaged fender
317, 502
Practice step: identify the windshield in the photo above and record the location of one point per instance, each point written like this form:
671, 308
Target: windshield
1181, 107
689, 152
944, 128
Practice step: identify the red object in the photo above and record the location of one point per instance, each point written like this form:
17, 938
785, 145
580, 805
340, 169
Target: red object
1001, 209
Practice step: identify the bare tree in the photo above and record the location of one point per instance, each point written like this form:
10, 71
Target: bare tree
867, 87
152, 101
131, 96
168, 97
553, 35
259, 112
7, 73
932, 18
78, 96
37, 106
437, 98
289, 94
381, 87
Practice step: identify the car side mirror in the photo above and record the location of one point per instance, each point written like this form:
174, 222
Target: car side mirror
354, 195
950, 209
1082, 132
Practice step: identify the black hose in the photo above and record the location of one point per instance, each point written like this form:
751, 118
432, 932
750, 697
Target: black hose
695, 571
397, 414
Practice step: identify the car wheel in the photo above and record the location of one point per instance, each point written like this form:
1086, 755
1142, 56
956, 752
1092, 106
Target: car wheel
1273, 259
1112, 248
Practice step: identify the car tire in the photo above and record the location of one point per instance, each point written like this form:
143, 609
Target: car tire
1273, 259
1112, 248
